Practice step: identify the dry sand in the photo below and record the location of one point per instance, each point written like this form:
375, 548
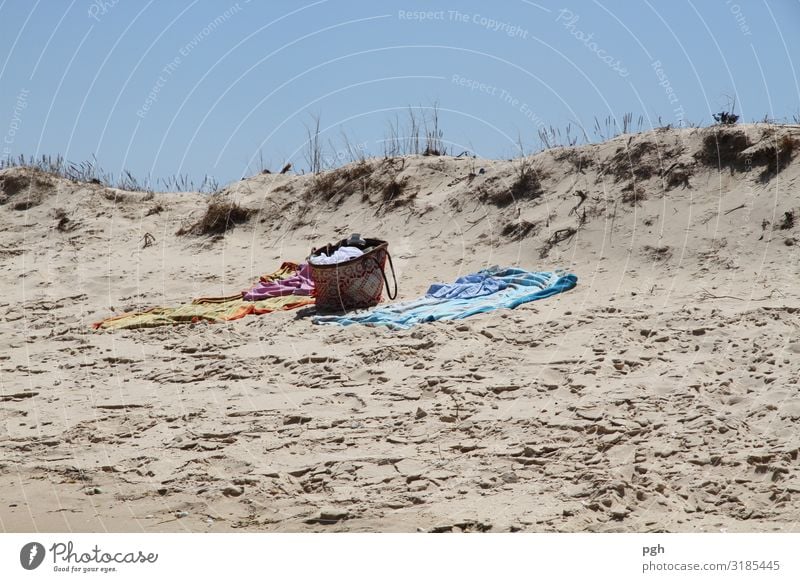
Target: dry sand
659, 395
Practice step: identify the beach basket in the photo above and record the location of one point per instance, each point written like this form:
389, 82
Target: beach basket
352, 284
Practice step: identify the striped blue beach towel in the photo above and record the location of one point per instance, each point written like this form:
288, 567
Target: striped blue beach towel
487, 290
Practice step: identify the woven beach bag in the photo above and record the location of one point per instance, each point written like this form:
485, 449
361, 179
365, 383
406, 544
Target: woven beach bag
352, 284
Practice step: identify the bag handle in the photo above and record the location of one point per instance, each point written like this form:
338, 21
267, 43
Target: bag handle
394, 277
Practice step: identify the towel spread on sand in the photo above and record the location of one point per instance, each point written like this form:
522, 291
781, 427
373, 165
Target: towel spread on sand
218, 309
468, 286
515, 287
299, 283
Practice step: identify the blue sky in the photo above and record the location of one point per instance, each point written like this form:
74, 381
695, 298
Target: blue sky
199, 87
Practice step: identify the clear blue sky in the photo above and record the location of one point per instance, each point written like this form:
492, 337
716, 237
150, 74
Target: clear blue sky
201, 87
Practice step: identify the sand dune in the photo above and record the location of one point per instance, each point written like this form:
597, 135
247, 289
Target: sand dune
661, 394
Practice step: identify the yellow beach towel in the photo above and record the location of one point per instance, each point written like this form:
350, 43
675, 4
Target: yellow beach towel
212, 309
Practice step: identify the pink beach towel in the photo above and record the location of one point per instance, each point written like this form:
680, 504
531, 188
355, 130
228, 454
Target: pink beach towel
298, 284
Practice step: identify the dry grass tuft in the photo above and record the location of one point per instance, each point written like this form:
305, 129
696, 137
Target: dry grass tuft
776, 157
633, 195
631, 162
394, 193
557, 237
579, 160
527, 185
721, 148
520, 229
24, 189
678, 176
157, 209
657, 253
787, 145
63, 223
220, 217
13, 184
788, 221
341, 183
732, 149
362, 178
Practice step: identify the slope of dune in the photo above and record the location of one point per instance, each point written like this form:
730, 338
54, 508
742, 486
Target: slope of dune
661, 394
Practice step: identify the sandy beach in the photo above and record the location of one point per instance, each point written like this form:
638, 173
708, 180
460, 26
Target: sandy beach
661, 394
